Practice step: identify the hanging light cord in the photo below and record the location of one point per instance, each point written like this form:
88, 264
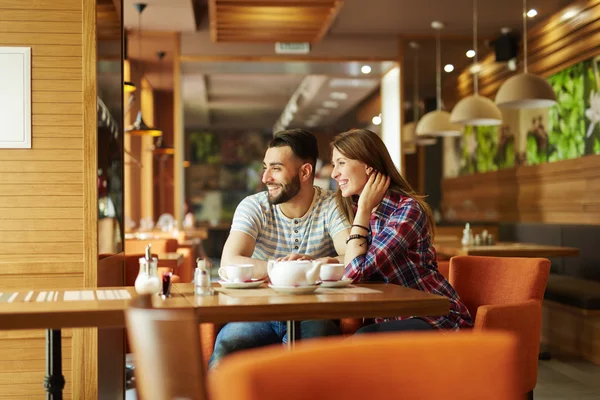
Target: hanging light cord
416, 88
140, 35
438, 71
476, 63
525, 36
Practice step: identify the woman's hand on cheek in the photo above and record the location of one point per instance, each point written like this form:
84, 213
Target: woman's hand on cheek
374, 190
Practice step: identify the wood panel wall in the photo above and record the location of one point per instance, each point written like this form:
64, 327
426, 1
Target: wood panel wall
48, 201
559, 192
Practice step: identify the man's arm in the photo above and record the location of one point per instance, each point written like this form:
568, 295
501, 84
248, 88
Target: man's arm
238, 249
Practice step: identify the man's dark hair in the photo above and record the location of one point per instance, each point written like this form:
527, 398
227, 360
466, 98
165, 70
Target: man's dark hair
302, 142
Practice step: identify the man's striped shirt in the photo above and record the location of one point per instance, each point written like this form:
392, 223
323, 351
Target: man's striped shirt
277, 235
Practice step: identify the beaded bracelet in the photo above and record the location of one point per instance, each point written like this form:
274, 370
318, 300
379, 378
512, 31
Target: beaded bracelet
363, 227
355, 237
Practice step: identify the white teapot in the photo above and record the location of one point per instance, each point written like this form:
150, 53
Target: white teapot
294, 273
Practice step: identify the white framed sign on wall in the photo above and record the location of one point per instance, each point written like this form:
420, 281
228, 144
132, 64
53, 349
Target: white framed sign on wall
15, 97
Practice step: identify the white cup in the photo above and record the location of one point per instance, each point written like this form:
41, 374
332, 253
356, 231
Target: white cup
236, 272
332, 272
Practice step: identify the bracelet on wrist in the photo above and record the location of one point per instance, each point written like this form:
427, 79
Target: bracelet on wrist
355, 236
368, 229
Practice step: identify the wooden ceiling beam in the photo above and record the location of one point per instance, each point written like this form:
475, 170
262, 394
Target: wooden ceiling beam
273, 18
278, 3
265, 38
268, 25
274, 10
266, 21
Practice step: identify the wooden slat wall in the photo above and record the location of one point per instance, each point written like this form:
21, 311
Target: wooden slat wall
559, 192
42, 200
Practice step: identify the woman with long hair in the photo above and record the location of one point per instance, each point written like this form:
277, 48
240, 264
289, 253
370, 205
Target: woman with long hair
392, 230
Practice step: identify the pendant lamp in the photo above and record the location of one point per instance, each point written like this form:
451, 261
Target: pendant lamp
161, 147
139, 127
409, 137
437, 123
525, 90
476, 110
129, 87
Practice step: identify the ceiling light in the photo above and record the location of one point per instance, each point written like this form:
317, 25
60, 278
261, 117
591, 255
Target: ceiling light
409, 144
568, 15
437, 123
376, 120
365, 69
532, 13
448, 67
129, 87
338, 95
139, 127
475, 68
476, 110
353, 83
330, 104
525, 90
471, 53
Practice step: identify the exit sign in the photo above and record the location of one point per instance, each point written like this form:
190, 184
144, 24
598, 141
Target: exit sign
292, 48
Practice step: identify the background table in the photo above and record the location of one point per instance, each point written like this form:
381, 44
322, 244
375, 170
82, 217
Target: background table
453, 248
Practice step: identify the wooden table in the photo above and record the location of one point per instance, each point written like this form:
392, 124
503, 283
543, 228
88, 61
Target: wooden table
390, 300
453, 248
54, 313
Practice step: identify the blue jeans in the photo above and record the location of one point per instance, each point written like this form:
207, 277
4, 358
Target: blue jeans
238, 336
403, 325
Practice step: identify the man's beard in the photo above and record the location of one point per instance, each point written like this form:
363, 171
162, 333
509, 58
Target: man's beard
288, 191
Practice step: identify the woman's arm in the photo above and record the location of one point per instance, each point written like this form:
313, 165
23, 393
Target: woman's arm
370, 197
385, 252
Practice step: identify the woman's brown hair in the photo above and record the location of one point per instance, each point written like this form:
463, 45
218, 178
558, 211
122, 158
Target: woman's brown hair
365, 146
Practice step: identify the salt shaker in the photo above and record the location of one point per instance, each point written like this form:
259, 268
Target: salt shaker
202, 279
147, 281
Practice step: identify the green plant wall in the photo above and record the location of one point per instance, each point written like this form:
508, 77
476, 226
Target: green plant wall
567, 130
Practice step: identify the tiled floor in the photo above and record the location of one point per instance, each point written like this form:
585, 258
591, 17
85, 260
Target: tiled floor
557, 380
567, 379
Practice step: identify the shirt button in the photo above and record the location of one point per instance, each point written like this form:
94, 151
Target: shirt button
296, 240
295, 221
296, 247
296, 231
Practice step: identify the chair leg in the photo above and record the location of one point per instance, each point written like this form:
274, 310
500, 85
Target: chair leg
529, 395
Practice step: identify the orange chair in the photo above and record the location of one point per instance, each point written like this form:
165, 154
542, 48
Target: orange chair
132, 268
506, 293
444, 268
166, 351
423, 366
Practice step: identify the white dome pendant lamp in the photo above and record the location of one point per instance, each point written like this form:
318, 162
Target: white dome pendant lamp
437, 122
525, 90
476, 110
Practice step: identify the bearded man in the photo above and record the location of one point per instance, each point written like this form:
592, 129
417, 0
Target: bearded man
292, 219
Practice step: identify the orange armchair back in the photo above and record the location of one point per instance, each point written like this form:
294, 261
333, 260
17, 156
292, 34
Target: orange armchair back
384, 366
498, 280
506, 293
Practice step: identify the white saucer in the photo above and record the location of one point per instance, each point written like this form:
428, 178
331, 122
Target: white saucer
336, 284
294, 289
242, 285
